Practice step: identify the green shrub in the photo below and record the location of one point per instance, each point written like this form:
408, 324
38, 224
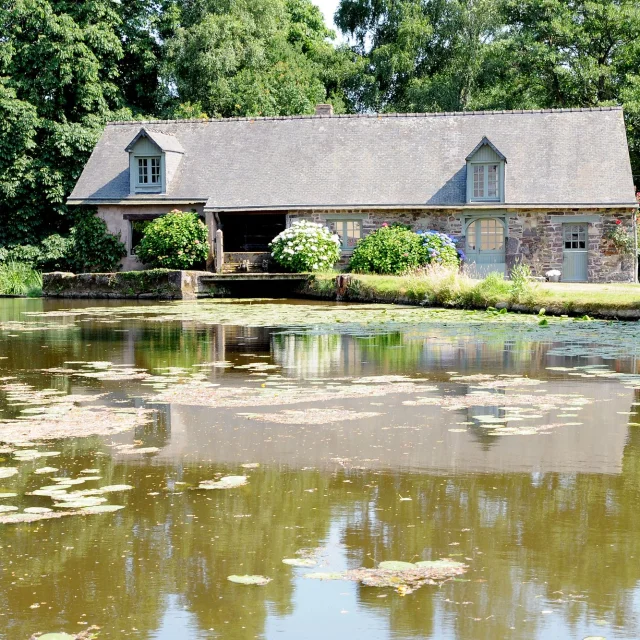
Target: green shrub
389, 250
19, 279
441, 249
93, 249
56, 253
177, 240
306, 246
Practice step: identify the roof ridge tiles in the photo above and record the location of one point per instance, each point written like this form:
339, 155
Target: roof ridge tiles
431, 114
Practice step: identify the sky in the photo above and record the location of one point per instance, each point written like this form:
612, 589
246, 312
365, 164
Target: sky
328, 8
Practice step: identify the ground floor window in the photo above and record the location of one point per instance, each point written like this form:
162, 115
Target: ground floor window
137, 232
349, 232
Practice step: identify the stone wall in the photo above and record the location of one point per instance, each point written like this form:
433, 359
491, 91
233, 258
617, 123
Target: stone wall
534, 236
114, 216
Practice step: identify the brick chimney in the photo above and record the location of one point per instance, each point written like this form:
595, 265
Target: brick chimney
324, 109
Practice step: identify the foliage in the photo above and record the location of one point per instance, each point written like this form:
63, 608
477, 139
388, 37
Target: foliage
177, 240
92, 248
621, 239
256, 57
520, 281
306, 246
441, 248
19, 279
389, 250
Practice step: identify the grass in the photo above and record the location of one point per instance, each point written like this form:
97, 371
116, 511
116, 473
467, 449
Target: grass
448, 288
19, 279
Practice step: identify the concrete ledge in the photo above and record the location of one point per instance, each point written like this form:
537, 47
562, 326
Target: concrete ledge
155, 284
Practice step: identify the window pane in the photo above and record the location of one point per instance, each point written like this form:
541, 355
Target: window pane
142, 171
491, 235
492, 181
471, 237
478, 181
155, 170
137, 232
352, 233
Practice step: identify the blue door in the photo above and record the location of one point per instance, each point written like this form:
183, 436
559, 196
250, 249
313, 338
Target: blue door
575, 253
485, 246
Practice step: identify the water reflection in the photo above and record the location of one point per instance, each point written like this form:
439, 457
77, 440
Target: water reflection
547, 523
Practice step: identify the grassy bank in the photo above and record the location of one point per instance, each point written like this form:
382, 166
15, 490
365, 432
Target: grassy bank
19, 279
450, 289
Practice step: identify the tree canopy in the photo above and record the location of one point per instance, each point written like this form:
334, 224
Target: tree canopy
67, 67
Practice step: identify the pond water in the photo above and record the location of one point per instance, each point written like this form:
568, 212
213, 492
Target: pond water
509, 445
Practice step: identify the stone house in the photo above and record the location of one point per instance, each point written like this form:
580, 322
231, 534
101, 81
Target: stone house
544, 187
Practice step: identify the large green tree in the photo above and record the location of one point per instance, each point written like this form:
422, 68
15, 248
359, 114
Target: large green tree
255, 57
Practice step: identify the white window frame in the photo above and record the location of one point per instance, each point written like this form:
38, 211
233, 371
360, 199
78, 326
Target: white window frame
471, 173
338, 226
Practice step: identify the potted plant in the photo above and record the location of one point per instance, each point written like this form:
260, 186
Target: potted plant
553, 275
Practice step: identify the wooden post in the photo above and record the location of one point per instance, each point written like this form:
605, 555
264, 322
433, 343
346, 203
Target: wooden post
219, 251
210, 221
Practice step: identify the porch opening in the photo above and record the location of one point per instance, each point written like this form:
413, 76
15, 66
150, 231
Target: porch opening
251, 232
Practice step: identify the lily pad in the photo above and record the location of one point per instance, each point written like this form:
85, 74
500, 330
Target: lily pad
44, 470
257, 580
394, 565
5, 508
7, 472
7, 495
300, 562
114, 488
228, 482
56, 636
78, 503
38, 510
102, 508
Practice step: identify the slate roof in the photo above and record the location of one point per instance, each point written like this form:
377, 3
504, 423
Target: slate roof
554, 157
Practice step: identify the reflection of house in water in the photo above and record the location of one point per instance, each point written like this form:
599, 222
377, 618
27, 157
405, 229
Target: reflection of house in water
410, 437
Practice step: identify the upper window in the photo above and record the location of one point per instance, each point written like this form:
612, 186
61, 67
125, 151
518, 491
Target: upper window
485, 173
349, 232
149, 172
486, 181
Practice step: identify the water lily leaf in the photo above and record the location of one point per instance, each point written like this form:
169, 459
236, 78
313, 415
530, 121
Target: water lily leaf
228, 482
56, 636
250, 465
102, 508
38, 510
7, 495
43, 470
257, 580
7, 472
394, 565
300, 562
5, 508
114, 488
78, 503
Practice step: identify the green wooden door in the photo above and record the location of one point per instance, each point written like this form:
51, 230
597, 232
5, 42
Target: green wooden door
485, 246
575, 253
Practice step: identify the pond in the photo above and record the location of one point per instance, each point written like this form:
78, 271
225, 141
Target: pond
148, 452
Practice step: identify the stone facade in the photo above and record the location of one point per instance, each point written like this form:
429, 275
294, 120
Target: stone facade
533, 236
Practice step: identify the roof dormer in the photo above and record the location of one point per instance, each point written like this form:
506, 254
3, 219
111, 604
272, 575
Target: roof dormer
153, 159
485, 173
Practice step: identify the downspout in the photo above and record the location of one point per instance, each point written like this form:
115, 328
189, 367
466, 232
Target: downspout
635, 245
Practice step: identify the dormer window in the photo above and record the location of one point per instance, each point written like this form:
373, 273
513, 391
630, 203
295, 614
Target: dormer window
485, 173
154, 157
486, 181
149, 171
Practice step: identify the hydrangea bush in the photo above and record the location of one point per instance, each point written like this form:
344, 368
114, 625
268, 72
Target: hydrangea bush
440, 248
389, 250
306, 246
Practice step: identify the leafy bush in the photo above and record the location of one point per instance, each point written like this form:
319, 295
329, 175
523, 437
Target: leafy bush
177, 240
389, 250
56, 253
441, 249
306, 246
92, 248
19, 279
520, 282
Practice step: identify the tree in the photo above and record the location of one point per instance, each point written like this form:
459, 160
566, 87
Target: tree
255, 57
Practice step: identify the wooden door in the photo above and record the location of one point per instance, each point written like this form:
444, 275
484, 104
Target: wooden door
575, 253
485, 246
